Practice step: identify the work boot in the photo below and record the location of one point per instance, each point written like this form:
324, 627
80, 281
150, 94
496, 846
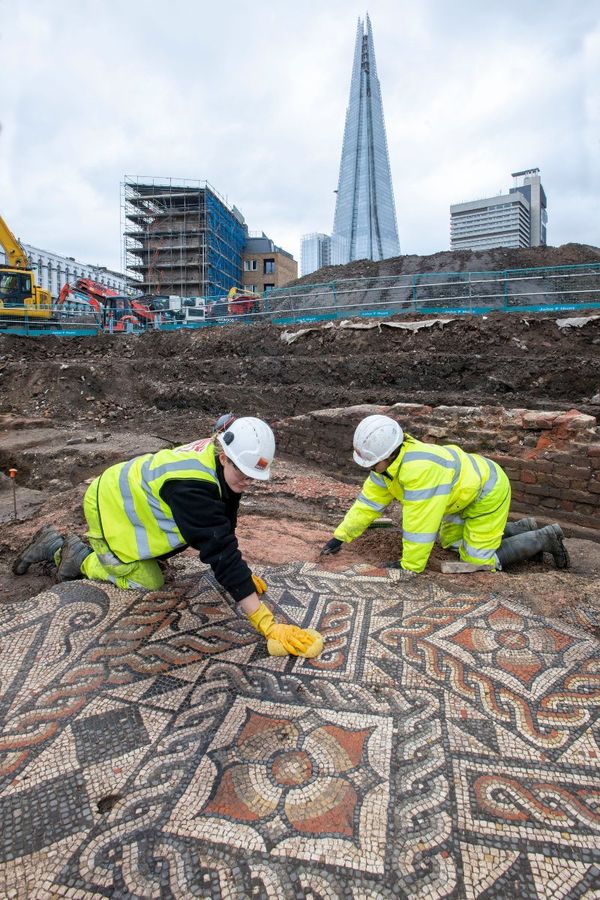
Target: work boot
528, 544
41, 548
519, 527
73, 553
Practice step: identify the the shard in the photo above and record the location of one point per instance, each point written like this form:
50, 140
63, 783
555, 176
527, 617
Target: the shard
365, 214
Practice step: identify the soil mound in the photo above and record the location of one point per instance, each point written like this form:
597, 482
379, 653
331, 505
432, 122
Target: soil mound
172, 383
496, 259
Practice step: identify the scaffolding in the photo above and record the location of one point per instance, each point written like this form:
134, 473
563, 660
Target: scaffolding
180, 237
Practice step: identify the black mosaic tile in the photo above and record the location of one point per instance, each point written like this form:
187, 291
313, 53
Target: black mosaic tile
109, 734
38, 817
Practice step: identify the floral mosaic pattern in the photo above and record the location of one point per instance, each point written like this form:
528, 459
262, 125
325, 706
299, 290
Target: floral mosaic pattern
524, 651
444, 745
294, 784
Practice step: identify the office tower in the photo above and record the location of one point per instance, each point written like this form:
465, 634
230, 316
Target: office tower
315, 252
365, 215
516, 219
528, 183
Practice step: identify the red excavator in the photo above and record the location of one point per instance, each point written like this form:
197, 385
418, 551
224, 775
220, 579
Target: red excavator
243, 303
79, 293
116, 310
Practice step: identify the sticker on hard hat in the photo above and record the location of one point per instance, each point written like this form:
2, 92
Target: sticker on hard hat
262, 463
195, 446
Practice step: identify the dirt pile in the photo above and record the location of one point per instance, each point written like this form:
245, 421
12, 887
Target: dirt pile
459, 261
71, 406
171, 384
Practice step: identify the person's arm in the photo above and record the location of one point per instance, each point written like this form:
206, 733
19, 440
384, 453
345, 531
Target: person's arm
370, 503
205, 523
202, 518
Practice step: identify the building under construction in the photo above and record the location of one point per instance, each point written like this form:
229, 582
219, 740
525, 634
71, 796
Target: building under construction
180, 237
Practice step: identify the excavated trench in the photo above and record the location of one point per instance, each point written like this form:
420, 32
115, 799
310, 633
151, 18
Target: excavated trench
69, 407
163, 379
173, 386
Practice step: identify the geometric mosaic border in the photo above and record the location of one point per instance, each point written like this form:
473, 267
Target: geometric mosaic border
444, 745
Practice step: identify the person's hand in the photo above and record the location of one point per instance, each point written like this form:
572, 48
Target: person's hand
259, 584
284, 639
332, 546
294, 640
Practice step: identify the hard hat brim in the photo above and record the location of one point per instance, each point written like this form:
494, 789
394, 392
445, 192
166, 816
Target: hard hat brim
254, 474
360, 461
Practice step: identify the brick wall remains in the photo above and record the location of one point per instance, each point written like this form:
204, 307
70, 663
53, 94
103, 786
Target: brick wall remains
551, 458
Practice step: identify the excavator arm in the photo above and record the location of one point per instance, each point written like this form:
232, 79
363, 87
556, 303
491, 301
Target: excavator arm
15, 255
20, 296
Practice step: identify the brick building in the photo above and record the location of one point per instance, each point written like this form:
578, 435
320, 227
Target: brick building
265, 265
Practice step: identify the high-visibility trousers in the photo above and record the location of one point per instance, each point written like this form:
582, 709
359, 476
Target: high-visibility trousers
476, 532
103, 565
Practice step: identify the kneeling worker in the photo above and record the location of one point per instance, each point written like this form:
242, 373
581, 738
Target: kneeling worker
156, 505
461, 497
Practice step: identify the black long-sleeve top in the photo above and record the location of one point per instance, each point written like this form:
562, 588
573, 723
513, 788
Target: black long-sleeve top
207, 522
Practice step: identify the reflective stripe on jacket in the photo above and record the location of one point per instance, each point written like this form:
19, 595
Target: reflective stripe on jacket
136, 523
431, 481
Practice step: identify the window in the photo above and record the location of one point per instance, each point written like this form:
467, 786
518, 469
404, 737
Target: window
15, 287
267, 287
268, 267
249, 265
250, 287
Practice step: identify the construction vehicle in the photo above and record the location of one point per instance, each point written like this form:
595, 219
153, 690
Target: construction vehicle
77, 295
93, 292
20, 296
115, 311
242, 303
173, 308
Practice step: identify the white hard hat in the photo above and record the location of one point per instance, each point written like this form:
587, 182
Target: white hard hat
250, 444
376, 438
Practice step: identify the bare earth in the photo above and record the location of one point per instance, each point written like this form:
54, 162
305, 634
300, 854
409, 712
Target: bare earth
70, 407
444, 744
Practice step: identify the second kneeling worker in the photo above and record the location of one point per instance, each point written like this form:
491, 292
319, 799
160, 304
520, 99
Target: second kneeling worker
462, 498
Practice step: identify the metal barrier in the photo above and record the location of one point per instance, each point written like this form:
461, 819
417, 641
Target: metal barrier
548, 288
35, 326
540, 289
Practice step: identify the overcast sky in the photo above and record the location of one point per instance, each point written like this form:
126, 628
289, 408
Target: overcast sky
252, 96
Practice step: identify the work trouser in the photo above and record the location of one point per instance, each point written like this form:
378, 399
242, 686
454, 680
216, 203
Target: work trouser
103, 565
476, 532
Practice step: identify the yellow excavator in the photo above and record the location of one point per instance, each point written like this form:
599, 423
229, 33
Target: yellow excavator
20, 296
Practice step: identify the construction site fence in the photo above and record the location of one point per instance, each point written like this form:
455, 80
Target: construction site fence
547, 289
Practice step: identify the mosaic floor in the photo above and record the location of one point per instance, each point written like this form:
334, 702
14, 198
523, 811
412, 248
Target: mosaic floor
444, 745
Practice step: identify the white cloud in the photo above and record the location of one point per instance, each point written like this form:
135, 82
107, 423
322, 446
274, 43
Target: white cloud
252, 98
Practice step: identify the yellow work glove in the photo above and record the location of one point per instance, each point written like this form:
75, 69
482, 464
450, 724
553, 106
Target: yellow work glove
285, 640
259, 584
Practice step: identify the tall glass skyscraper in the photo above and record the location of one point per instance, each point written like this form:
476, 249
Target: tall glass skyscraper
365, 226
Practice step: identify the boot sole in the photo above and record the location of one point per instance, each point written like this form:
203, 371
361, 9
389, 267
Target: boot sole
66, 567
562, 560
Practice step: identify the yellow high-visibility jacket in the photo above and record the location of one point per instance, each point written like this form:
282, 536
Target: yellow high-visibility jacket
136, 522
431, 481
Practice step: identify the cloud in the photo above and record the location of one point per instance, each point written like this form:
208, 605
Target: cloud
253, 98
